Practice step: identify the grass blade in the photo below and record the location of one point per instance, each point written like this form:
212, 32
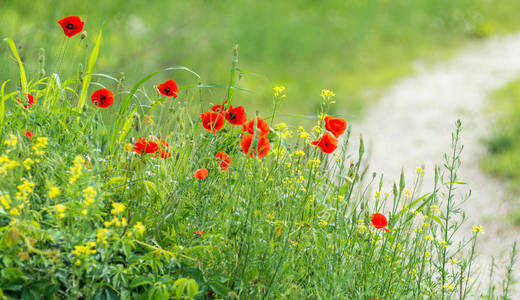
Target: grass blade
88, 76
23, 77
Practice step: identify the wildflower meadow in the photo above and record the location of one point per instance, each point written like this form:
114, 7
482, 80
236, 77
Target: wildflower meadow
155, 190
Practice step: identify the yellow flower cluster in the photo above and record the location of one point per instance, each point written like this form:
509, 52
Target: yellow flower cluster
302, 133
449, 286
419, 171
117, 208
6, 164
327, 94
283, 131
60, 209
11, 141
477, 229
5, 201
139, 228
54, 192
75, 170
86, 249
28, 163
278, 91
102, 235
41, 143
323, 223
314, 162
24, 190
116, 222
361, 226
277, 151
435, 209
89, 193
298, 153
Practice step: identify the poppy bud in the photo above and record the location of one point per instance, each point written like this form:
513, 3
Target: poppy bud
83, 34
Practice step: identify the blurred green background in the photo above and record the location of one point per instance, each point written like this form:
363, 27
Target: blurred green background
353, 47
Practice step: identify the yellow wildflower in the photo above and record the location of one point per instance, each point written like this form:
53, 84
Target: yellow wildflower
420, 171
327, 94
477, 229
323, 222
302, 133
117, 208
428, 237
39, 145
75, 170
278, 91
54, 192
89, 193
28, 163
14, 211
444, 244
5, 200
139, 228
426, 254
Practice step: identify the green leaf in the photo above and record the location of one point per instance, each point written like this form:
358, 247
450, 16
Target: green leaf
192, 288
88, 76
2, 106
140, 281
23, 78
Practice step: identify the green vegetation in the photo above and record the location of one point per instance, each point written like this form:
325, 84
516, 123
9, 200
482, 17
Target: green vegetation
91, 210
355, 46
503, 145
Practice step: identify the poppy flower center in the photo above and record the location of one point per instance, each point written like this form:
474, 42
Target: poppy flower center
232, 116
167, 90
70, 26
101, 97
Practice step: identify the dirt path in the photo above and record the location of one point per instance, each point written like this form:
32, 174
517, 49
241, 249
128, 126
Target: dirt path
411, 126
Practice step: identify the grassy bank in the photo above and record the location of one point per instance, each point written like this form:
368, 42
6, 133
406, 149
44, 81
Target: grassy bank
355, 46
145, 197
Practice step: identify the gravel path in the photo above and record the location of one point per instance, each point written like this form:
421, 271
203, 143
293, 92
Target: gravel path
411, 126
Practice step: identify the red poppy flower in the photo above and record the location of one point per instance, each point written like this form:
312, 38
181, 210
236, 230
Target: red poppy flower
201, 174
102, 98
168, 88
212, 121
28, 134
327, 143
222, 160
163, 150
261, 150
237, 115
336, 126
144, 146
219, 107
261, 124
199, 232
379, 221
30, 101
165, 154
71, 25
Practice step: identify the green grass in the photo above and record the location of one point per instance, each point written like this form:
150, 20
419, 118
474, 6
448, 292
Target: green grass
83, 214
503, 155
355, 46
